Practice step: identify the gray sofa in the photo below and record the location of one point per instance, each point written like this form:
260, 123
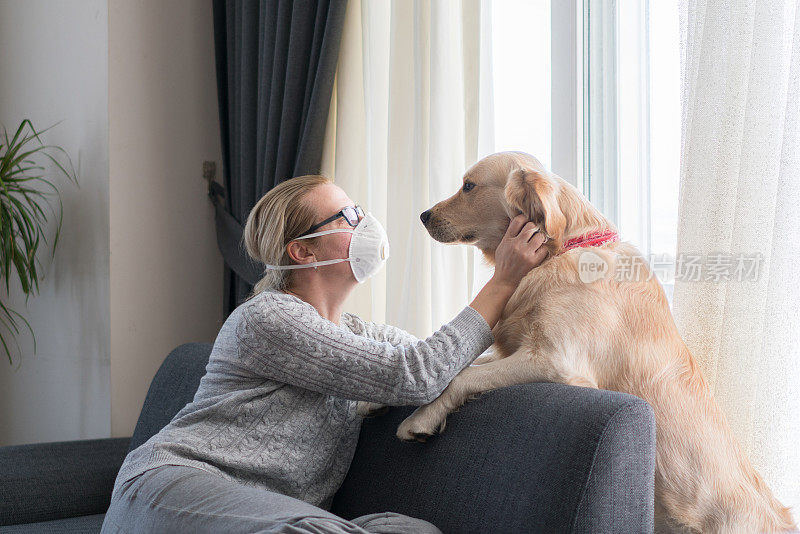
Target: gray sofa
530, 458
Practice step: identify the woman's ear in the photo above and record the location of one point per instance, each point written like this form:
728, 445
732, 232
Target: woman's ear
299, 253
534, 194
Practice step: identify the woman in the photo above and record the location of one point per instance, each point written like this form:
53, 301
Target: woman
270, 434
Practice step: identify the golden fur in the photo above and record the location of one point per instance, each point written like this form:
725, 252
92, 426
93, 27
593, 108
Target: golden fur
615, 334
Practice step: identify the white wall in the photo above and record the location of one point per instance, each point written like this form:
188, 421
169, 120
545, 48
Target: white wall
166, 270
137, 271
54, 66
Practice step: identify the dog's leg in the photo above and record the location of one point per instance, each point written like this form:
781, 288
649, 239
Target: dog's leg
519, 368
370, 409
489, 355
583, 381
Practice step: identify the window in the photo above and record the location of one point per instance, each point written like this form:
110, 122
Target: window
591, 88
665, 135
632, 122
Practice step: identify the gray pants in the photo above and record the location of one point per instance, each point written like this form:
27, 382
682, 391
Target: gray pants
177, 499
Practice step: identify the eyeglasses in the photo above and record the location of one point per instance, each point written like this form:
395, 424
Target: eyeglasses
352, 214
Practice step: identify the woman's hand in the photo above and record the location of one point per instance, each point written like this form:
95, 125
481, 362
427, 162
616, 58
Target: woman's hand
520, 251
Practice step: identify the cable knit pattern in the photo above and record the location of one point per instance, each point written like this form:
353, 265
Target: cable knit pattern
277, 406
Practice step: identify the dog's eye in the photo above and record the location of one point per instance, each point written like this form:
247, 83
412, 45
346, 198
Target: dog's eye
468, 186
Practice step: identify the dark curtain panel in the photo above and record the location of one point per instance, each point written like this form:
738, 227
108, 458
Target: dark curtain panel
276, 61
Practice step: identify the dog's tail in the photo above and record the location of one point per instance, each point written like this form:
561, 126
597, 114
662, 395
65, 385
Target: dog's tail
775, 516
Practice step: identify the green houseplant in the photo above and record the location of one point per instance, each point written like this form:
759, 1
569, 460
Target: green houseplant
23, 194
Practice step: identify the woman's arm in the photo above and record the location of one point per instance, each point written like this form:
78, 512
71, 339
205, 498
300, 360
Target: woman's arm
381, 332
519, 251
284, 339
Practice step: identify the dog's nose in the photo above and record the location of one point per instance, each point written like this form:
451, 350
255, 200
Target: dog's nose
425, 216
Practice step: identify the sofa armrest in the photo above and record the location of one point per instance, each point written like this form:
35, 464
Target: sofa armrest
46, 481
536, 457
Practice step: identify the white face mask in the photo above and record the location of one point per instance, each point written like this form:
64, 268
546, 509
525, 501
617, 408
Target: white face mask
369, 249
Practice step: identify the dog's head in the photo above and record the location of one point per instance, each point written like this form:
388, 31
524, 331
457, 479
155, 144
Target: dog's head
502, 186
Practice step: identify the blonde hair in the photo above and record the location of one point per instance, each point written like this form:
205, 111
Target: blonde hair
280, 216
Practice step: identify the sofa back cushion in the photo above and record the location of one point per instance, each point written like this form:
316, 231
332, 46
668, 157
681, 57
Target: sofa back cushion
538, 457
172, 388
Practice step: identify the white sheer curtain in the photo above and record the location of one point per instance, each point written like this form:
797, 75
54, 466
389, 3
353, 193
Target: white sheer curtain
411, 112
740, 197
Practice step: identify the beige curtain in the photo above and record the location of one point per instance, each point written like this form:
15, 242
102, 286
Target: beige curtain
740, 212
409, 116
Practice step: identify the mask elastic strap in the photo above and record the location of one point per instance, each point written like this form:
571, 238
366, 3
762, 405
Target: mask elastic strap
312, 264
316, 263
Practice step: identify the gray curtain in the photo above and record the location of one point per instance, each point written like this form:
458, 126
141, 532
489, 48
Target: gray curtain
276, 62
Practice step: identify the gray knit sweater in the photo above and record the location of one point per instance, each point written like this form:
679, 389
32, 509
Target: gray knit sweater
276, 408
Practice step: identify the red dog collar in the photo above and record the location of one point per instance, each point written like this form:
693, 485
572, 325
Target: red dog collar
590, 240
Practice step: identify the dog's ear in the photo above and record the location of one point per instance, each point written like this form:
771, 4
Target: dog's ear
534, 194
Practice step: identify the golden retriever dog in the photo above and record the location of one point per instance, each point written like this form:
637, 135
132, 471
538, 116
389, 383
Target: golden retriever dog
576, 320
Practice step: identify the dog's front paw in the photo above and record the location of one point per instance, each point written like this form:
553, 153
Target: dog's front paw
419, 427
370, 409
